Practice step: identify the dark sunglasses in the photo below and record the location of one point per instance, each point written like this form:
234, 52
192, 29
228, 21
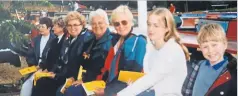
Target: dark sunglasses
123, 22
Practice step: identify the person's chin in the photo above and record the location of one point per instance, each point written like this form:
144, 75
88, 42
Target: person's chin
151, 37
76, 34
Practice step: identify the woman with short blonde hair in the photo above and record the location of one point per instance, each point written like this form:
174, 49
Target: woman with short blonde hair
79, 40
127, 50
75, 16
122, 9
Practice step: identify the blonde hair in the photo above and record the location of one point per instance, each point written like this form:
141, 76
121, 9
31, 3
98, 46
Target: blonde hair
168, 19
211, 32
75, 16
122, 9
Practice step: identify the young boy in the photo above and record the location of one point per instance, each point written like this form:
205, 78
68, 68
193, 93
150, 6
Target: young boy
217, 75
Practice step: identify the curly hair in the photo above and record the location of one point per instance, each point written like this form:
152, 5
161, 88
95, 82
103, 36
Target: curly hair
75, 16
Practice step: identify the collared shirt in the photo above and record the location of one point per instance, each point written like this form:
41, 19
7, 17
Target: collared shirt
59, 37
43, 42
73, 39
207, 74
218, 65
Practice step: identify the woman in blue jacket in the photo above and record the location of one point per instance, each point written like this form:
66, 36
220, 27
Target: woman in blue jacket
127, 51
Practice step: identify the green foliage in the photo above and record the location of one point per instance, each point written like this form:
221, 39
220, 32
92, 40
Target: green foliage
1, 5
12, 31
5, 14
23, 26
19, 5
45, 3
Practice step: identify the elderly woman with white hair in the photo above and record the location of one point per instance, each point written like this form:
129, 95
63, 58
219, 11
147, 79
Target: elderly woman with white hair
98, 52
128, 51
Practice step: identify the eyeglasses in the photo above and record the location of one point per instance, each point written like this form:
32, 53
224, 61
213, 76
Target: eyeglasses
74, 25
123, 22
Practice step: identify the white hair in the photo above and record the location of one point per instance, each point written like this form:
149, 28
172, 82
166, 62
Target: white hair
98, 12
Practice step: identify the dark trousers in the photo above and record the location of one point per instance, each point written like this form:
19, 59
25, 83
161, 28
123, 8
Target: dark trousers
111, 90
46, 87
75, 91
116, 86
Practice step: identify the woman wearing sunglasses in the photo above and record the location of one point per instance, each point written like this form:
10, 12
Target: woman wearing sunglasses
164, 73
127, 51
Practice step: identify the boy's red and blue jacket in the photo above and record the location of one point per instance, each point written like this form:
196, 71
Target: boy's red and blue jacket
225, 84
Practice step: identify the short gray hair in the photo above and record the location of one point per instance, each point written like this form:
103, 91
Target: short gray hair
98, 12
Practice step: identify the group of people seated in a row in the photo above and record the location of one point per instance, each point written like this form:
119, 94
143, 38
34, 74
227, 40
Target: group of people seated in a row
103, 54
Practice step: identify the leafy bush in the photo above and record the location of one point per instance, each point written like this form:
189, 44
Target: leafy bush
19, 5
12, 32
45, 3
5, 14
1, 5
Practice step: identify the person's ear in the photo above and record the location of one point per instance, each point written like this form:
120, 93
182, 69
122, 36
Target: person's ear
166, 30
226, 45
49, 28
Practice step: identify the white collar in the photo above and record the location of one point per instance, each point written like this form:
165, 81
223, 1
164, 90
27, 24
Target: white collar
46, 37
59, 37
73, 39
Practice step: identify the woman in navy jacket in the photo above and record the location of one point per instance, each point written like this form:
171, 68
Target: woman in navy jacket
97, 51
72, 50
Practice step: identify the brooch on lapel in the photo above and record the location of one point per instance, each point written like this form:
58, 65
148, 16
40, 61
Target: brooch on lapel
86, 55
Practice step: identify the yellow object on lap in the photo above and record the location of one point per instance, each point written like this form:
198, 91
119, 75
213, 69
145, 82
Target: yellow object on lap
129, 76
28, 70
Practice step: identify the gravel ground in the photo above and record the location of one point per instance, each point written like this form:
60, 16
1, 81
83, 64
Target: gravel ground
9, 77
9, 73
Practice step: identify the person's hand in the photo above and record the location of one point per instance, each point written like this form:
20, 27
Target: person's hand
37, 67
39, 70
77, 83
45, 70
129, 82
52, 74
72, 78
99, 92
